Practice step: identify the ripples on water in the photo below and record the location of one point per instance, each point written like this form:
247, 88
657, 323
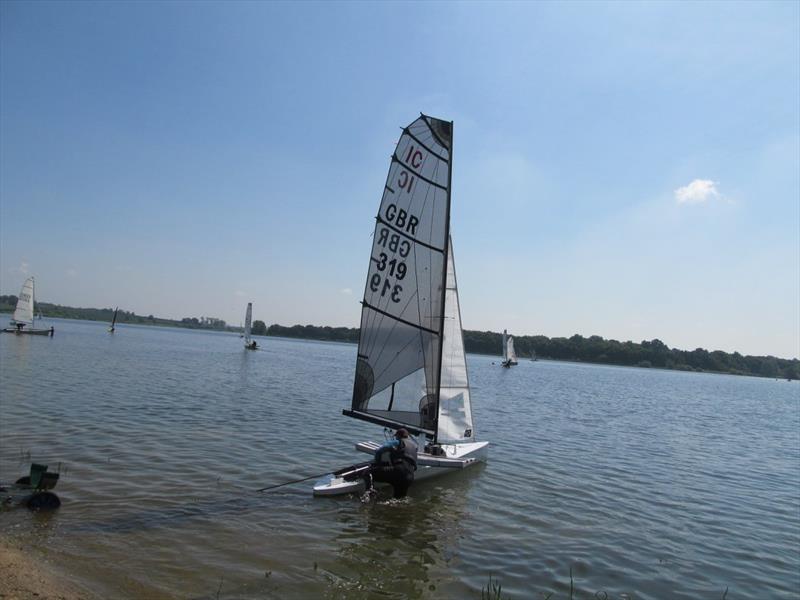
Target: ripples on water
650, 483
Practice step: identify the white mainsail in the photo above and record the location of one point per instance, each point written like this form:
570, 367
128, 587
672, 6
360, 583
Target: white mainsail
510, 354
455, 411
248, 323
24, 310
400, 350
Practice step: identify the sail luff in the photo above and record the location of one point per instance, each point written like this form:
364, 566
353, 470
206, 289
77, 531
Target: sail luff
447, 251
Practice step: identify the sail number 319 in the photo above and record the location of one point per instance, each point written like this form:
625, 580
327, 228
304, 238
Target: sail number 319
396, 269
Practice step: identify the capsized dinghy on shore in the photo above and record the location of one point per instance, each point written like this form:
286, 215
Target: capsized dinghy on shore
411, 370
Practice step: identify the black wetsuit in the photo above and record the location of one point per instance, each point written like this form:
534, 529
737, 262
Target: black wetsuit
399, 471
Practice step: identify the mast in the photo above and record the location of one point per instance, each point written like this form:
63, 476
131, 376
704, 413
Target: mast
444, 282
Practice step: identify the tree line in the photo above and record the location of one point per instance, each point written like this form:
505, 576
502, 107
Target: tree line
652, 353
9, 303
594, 349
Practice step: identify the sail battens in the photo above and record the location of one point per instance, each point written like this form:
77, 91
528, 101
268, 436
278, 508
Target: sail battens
398, 319
396, 159
398, 365
383, 221
421, 143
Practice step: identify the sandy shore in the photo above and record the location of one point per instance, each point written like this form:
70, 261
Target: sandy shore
23, 576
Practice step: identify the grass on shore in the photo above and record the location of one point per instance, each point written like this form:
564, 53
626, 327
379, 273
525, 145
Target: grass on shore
494, 591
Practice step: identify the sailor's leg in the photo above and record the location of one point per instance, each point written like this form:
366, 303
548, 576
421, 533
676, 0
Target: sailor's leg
404, 477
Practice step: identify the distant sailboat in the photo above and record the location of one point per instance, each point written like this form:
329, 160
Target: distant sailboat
509, 356
113, 321
411, 370
249, 343
533, 355
22, 321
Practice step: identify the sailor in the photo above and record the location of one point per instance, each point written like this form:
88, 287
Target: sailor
395, 463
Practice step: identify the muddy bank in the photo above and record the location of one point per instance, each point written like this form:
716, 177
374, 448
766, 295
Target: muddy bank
26, 575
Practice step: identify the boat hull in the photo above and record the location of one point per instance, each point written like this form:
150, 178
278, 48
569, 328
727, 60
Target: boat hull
456, 457
28, 331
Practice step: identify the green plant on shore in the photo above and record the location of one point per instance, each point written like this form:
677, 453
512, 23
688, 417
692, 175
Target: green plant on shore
492, 591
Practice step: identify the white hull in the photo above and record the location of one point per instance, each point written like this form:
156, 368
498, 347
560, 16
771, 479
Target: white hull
456, 458
28, 331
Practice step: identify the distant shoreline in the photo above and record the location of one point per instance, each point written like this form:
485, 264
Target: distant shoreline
577, 349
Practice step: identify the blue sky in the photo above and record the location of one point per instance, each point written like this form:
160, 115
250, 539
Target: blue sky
620, 169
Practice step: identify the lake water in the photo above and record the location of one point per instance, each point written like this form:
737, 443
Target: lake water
645, 483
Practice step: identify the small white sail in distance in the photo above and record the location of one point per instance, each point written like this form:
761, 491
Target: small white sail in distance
24, 310
510, 353
248, 323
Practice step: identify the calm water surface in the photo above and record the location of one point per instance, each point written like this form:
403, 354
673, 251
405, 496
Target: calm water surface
646, 483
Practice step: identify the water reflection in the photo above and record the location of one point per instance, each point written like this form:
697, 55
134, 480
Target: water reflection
400, 548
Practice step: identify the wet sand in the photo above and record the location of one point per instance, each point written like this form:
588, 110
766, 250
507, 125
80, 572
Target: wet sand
24, 575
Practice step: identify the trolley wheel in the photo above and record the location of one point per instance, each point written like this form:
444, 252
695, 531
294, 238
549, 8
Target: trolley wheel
43, 501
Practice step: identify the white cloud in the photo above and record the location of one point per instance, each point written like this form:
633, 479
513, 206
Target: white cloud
23, 268
699, 190
239, 293
71, 272
346, 291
